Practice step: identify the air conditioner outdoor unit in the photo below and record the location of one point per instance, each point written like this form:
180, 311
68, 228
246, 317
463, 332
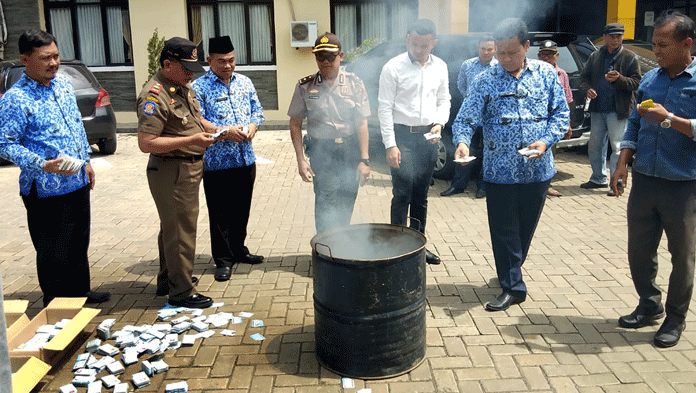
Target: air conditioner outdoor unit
303, 33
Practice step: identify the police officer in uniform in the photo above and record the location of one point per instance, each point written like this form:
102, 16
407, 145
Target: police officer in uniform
171, 130
336, 106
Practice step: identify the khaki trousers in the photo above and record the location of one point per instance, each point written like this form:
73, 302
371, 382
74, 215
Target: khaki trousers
174, 184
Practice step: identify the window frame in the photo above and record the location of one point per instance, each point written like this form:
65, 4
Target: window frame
103, 5
247, 31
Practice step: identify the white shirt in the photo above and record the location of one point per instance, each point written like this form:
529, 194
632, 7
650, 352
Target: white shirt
412, 95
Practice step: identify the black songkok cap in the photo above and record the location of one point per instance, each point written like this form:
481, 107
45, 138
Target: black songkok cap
220, 45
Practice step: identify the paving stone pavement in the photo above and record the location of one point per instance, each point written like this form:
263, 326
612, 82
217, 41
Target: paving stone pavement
564, 338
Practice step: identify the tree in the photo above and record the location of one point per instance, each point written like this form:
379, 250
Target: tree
154, 49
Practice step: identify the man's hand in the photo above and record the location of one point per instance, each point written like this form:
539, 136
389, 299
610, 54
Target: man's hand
462, 152
235, 134
251, 131
611, 76
620, 173
539, 145
591, 94
54, 165
91, 176
305, 170
653, 115
363, 173
394, 157
437, 130
569, 133
202, 139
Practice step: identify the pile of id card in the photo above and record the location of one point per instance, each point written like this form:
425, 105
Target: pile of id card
70, 164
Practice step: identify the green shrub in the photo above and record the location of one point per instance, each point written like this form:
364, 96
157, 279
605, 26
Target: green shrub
154, 49
365, 47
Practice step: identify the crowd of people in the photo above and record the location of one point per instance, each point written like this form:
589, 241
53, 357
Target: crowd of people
515, 109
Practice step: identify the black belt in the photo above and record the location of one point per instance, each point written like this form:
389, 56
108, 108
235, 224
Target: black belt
412, 129
180, 158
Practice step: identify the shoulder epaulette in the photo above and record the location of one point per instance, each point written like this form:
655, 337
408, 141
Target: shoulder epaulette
156, 88
307, 79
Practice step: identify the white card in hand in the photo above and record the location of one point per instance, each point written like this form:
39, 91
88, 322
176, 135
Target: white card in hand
529, 152
465, 159
219, 133
430, 136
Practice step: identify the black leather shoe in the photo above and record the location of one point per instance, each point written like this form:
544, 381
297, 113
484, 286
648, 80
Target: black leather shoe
480, 193
641, 316
451, 191
591, 184
223, 273
193, 301
250, 259
431, 258
669, 333
503, 302
164, 291
97, 297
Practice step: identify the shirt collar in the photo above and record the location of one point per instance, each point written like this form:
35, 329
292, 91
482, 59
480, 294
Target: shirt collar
412, 60
33, 84
529, 64
690, 69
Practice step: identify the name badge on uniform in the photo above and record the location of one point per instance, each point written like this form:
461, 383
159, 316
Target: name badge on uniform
184, 121
345, 90
220, 99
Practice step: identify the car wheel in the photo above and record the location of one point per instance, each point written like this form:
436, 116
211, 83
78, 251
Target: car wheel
444, 167
107, 146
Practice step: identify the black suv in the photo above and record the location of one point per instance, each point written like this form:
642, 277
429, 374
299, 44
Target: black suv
453, 49
98, 115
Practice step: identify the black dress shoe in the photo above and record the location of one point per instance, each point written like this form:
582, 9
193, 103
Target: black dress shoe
250, 259
669, 333
223, 273
193, 301
431, 258
97, 297
451, 191
591, 184
641, 316
503, 302
164, 291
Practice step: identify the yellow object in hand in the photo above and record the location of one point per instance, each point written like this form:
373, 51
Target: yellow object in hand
647, 104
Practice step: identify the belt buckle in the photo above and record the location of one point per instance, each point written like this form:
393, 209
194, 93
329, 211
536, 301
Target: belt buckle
338, 141
413, 129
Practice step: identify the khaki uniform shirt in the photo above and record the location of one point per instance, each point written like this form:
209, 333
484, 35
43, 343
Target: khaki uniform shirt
169, 110
332, 111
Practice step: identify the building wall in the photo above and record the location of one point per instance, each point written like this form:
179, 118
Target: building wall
20, 15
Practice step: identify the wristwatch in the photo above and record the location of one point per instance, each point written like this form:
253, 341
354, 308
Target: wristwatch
667, 123
365, 161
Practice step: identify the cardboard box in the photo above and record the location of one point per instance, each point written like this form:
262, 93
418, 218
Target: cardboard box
24, 329
14, 309
26, 373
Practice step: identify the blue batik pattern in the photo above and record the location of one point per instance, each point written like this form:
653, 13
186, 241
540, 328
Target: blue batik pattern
222, 105
470, 69
37, 123
515, 112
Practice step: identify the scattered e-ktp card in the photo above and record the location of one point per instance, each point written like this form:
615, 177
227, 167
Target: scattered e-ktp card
257, 337
256, 323
228, 332
218, 304
348, 383
366, 390
246, 314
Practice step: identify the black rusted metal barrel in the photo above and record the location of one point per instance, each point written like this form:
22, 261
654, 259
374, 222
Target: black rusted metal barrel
369, 299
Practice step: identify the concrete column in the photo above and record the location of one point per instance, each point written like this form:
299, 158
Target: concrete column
624, 12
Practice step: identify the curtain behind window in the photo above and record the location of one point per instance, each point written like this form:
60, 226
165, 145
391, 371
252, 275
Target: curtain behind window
116, 36
90, 35
345, 21
402, 15
260, 24
207, 26
232, 24
373, 16
61, 26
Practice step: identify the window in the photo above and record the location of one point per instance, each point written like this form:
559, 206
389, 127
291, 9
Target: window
354, 21
249, 25
96, 32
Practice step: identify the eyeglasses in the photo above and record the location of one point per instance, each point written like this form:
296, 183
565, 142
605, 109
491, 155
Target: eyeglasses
325, 56
546, 54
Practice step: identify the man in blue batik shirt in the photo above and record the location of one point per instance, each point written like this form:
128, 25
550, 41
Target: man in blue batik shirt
663, 194
521, 104
39, 120
229, 100
469, 70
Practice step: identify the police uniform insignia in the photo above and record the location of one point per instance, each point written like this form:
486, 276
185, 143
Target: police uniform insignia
172, 101
156, 88
153, 99
306, 79
184, 121
345, 90
149, 108
314, 91
194, 54
172, 89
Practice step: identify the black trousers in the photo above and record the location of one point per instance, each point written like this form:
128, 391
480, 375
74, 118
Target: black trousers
59, 229
411, 182
656, 205
228, 195
513, 215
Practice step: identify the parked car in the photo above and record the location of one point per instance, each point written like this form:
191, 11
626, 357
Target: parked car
98, 115
453, 49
